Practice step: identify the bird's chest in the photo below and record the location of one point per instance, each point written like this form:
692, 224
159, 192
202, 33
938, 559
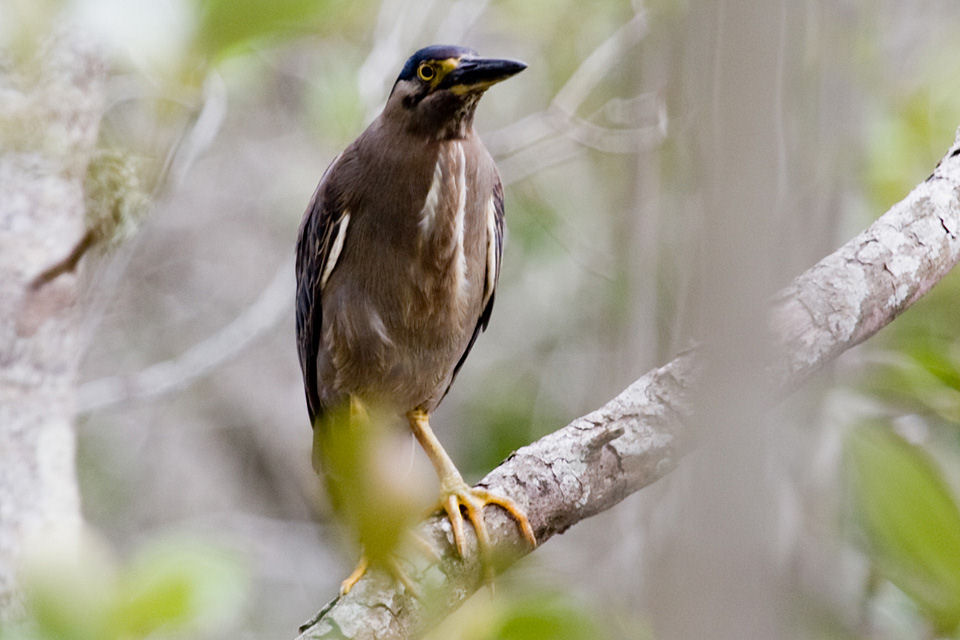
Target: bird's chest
443, 243
416, 289
399, 314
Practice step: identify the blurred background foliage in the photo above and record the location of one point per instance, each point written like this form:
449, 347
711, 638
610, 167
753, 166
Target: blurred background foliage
170, 588
193, 425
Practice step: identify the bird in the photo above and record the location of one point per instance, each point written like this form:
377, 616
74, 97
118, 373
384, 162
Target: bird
397, 262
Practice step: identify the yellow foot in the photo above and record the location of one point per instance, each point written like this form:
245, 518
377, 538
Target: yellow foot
473, 499
455, 493
354, 577
393, 568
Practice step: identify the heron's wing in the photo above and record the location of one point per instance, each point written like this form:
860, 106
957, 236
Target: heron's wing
319, 243
494, 253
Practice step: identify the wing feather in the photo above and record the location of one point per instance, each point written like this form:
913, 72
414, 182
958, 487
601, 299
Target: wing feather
494, 254
319, 244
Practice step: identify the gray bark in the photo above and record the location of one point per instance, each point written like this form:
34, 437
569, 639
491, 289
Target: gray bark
639, 436
50, 109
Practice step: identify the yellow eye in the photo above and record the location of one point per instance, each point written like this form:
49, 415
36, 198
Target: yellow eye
426, 72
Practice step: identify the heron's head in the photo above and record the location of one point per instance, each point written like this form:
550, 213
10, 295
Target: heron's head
437, 91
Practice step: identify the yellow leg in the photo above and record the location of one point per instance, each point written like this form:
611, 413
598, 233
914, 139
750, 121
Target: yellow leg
391, 565
454, 492
354, 577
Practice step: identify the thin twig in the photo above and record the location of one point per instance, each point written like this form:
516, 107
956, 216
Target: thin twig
177, 373
66, 265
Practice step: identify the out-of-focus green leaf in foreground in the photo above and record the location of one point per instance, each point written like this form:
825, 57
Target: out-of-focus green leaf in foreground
914, 122
909, 518
521, 614
169, 589
223, 25
375, 490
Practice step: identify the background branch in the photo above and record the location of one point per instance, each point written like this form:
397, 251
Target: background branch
180, 372
636, 438
49, 116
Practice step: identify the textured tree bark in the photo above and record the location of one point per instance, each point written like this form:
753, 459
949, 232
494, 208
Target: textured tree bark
50, 110
639, 436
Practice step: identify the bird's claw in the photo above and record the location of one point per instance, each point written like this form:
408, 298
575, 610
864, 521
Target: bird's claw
354, 576
391, 565
473, 500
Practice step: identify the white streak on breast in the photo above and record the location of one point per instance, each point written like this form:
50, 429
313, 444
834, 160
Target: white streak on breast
376, 323
429, 211
335, 249
491, 281
460, 258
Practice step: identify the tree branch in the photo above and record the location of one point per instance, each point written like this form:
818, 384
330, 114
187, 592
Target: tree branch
50, 111
639, 436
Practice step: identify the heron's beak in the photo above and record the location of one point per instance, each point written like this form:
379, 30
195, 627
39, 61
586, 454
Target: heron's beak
477, 74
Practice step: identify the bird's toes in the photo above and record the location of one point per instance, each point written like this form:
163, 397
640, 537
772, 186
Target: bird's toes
512, 508
451, 504
473, 500
355, 576
391, 564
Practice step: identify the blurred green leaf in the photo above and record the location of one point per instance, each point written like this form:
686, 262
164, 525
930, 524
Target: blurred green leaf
226, 24
525, 614
169, 586
909, 381
912, 131
374, 491
910, 519
172, 585
69, 591
919, 369
545, 617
